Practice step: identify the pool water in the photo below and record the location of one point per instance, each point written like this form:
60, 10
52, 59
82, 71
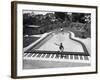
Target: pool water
69, 45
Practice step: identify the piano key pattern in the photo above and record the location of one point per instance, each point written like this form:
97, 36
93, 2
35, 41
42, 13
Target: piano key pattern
57, 57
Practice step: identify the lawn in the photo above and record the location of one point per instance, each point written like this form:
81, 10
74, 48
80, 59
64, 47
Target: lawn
28, 40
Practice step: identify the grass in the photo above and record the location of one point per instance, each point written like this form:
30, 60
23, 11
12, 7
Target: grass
28, 40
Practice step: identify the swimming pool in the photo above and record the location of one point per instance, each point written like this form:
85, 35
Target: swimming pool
69, 45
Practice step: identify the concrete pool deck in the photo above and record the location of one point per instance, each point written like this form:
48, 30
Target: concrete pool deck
69, 45
38, 64
35, 63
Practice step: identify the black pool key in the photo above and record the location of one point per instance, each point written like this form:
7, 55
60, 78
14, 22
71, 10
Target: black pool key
62, 56
38, 55
48, 55
86, 58
30, 54
71, 56
81, 58
25, 54
43, 55
66, 56
34, 55
76, 57
57, 56
52, 55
